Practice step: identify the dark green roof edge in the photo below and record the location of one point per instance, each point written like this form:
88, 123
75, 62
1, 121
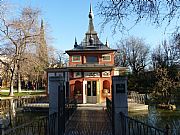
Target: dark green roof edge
90, 50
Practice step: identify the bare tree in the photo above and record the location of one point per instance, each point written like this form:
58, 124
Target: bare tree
57, 58
166, 55
120, 57
135, 53
157, 57
32, 70
118, 12
176, 47
18, 33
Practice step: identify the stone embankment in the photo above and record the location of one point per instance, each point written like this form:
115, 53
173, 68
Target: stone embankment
133, 107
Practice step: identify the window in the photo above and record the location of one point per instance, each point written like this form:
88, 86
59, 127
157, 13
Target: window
77, 74
91, 59
106, 74
76, 58
106, 57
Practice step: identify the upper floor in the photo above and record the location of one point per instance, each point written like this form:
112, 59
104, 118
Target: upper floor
91, 50
91, 58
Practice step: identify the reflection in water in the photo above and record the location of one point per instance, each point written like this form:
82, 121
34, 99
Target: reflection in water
8, 114
12, 112
160, 118
153, 116
13, 116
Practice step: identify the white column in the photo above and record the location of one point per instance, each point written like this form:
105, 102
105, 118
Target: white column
98, 91
84, 92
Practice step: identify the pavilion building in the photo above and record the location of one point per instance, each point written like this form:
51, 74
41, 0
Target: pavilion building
91, 67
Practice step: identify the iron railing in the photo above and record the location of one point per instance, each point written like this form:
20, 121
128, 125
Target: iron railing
109, 107
135, 97
21, 101
70, 108
42, 126
130, 126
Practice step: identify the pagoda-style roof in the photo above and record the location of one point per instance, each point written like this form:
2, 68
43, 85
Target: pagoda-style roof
91, 40
99, 47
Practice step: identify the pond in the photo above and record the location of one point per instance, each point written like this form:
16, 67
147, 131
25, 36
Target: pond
12, 114
11, 120
159, 118
155, 117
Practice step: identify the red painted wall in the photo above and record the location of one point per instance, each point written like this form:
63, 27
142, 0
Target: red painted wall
84, 55
101, 79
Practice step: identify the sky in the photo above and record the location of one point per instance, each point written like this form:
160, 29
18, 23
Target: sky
67, 19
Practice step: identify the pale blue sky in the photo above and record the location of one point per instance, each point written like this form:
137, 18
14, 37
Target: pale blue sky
69, 18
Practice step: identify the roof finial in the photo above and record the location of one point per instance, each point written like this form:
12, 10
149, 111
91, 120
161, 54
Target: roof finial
75, 41
75, 44
107, 44
91, 16
91, 12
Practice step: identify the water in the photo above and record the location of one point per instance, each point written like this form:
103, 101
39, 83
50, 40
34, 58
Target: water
155, 117
13, 116
159, 118
20, 117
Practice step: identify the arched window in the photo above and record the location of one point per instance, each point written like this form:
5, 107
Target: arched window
78, 87
106, 85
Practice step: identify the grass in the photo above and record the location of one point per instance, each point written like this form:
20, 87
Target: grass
6, 94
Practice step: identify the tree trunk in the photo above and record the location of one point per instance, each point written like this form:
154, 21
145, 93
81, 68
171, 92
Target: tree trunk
11, 92
19, 83
37, 82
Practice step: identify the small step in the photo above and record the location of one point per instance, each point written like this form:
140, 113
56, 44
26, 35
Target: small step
91, 106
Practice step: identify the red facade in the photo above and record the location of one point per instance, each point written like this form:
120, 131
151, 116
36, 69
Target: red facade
91, 65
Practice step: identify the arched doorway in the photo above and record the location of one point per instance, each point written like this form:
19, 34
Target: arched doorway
78, 91
106, 88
